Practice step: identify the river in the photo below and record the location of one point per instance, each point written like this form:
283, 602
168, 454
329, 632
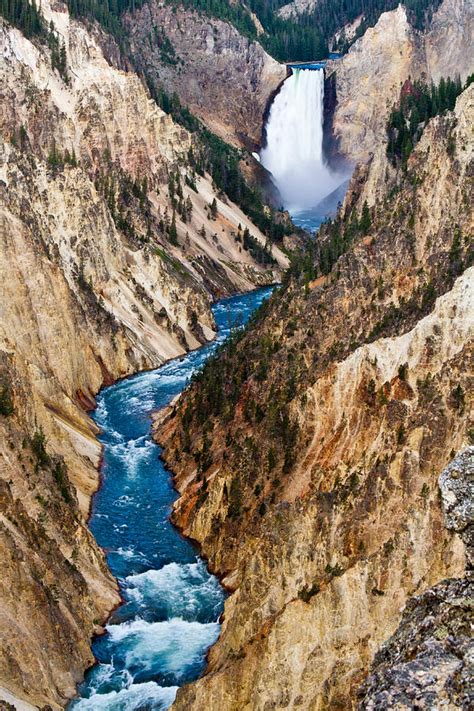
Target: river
158, 638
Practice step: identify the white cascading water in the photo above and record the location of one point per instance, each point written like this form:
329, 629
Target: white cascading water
294, 150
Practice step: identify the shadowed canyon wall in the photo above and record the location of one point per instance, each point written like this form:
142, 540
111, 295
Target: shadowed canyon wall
224, 79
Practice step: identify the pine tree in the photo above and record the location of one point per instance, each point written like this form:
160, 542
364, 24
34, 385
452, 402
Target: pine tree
62, 64
173, 232
188, 207
365, 220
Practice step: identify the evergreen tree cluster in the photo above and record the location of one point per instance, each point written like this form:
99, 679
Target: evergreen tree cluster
58, 53
262, 253
307, 36
418, 103
184, 207
335, 237
125, 195
57, 160
28, 18
332, 15
24, 15
106, 12
296, 39
6, 398
220, 385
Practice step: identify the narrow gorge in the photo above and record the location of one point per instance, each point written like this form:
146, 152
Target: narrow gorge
236, 329
157, 639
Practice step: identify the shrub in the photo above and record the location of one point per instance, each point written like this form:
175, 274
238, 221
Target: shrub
38, 447
62, 480
6, 400
402, 371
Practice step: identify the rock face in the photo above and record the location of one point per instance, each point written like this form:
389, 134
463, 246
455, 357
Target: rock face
447, 42
91, 289
295, 8
308, 468
457, 492
428, 661
224, 78
370, 75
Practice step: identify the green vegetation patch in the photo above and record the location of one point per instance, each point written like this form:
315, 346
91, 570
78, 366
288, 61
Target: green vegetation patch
418, 104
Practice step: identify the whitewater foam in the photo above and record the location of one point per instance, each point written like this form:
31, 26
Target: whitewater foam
159, 649
179, 590
136, 696
134, 453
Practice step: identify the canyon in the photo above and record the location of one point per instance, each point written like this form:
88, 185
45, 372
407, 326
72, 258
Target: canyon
313, 489
325, 529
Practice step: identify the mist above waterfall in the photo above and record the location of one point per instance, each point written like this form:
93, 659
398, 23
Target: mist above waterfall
294, 150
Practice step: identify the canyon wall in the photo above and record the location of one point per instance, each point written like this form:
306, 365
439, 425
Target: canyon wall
369, 77
427, 661
103, 271
308, 468
222, 77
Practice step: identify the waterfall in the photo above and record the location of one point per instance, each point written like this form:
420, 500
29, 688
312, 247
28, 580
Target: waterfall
294, 150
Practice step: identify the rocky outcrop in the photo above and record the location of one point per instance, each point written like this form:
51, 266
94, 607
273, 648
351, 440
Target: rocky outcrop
370, 75
428, 661
456, 484
94, 285
295, 8
222, 77
448, 39
313, 487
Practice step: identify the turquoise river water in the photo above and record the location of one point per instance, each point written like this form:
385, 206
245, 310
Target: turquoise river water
158, 638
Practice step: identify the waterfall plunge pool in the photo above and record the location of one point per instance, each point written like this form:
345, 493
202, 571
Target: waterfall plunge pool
158, 638
310, 190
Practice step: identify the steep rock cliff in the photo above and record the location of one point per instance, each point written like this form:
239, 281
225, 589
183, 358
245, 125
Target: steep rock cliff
222, 77
428, 661
369, 77
308, 469
94, 285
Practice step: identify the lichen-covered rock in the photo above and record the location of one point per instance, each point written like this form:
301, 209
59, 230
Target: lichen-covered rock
456, 484
429, 661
